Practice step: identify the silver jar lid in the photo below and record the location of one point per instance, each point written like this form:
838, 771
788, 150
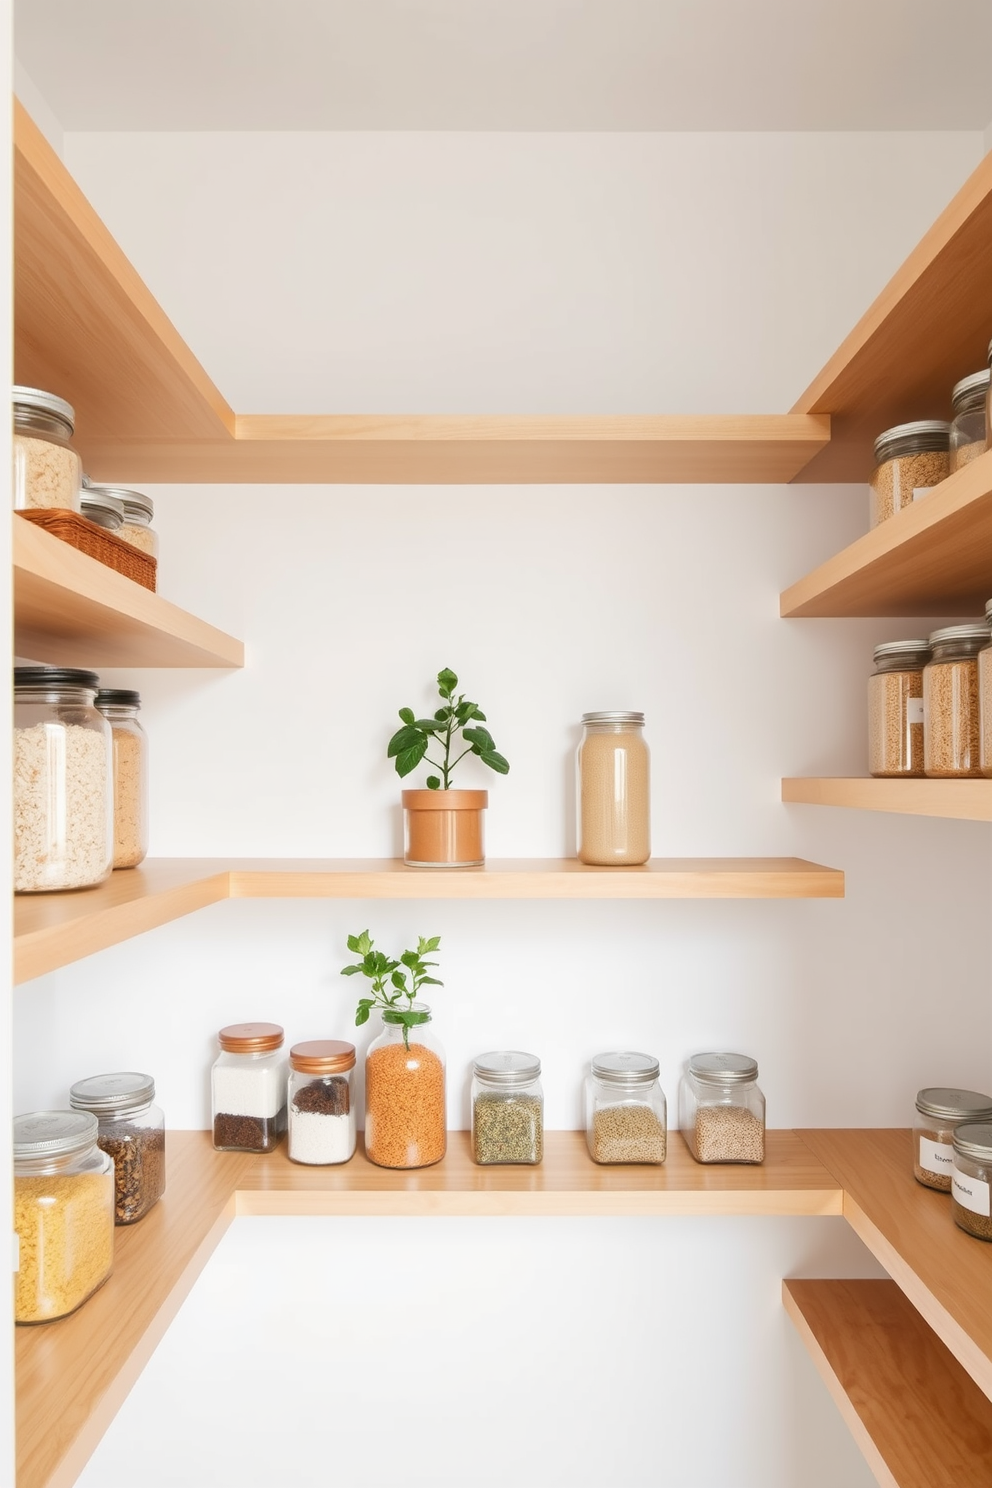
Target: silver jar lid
921, 434
112, 1095
945, 1103
977, 382
134, 503
975, 630
723, 1069
509, 1067
627, 1068
616, 716
101, 507
900, 648
36, 400
53, 1133
974, 1139
988, 613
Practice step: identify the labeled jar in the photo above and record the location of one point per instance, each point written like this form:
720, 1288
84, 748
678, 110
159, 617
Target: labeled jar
248, 1088
507, 1108
63, 1214
626, 1110
47, 470
405, 1119
969, 435
721, 1109
129, 746
950, 702
613, 807
321, 1102
910, 459
63, 781
939, 1110
131, 1133
895, 709
137, 510
971, 1179
985, 700
97, 505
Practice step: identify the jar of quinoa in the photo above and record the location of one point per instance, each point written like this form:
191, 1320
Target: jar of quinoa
985, 699
969, 436
950, 702
722, 1110
939, 1111
895, 709
910, 459
47, 470
405, 1118
626, 1111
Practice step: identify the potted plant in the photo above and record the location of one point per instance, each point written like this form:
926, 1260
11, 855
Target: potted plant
442, 826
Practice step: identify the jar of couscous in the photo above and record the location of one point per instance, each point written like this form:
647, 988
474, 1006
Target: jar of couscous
951, 724
895, 709
910, 459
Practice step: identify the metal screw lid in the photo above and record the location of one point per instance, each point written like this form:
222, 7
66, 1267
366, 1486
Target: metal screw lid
133, 502
976, 383
988, 613
627, 1068
723, 1069
37, 678
900, 648
945, 1103
975, 630
616, 716
112, 1095
989, 354
974, 1139
53, 1133
509, 1067
322, 1057
118, 697
920, 435
251, 1038
39, 401
95, 500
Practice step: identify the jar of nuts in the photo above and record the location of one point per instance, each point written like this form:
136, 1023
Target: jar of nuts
721, 1109
895, 709
910, 459
968, 432
950, 702
971, 1179
985, 699
939, 1110
626, 1110
47, 470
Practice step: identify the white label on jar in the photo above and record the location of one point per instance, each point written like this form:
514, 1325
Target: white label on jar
920, 491
914, 710
936, 1157
971, 1193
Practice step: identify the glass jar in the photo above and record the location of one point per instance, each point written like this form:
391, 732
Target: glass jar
950, 702
321, 1102
910, 459
97, 505
721, 1109
971, 1179
248, 1088
626, 1110
895, 709
985, 700
507, 1108
405, 1117
939, 1109
968, 431
63, 782
138, 511
119, 707
63, 1213
613, 809
47, 470
131, 1133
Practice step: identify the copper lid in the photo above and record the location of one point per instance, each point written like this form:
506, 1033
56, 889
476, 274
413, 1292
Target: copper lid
250, 1038
322, 1057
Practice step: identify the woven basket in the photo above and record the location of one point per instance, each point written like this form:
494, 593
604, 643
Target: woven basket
106, 547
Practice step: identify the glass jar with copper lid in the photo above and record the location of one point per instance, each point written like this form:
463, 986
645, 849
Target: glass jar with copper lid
248, 1088
322, 1102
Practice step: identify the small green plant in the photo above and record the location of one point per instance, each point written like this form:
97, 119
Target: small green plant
456, 715
389, 980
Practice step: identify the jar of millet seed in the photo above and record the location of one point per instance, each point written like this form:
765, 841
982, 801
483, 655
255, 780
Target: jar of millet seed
950, 702
939, 1111
895, 709
910, 459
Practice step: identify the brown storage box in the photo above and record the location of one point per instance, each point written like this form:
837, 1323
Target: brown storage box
79, 532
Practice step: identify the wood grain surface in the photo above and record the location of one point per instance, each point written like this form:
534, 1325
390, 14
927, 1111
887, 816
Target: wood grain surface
963, 800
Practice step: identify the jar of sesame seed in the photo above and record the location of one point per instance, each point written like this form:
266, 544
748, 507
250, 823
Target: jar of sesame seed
721, 1109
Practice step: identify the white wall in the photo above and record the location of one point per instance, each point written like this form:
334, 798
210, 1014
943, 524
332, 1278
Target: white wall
528, 274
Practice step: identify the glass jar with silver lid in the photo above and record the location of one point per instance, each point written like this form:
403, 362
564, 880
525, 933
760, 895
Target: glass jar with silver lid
969, 436
910, 459
951, 720
100, 506
722, 1110
132, 1133
985, 699
971, 1179
507, 1108
895, 709
939, 1110
47, 470
626, 1111
138, 512
613, 807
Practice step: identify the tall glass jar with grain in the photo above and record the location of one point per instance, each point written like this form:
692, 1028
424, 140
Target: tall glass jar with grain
985, 699
950, 702
910, 459
613, 807
405, 1111
47, 470
119, 707
969, 435
895, 709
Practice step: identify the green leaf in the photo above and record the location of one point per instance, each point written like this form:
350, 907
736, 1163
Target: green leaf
361, 1015
464, 712
480, 738
433, 782
430, 982
480, 715
425, 947
407, 715
446, 682
429, 725
398, 979
442, 715
409, 759
351, 970
410, 959
405, 738
495, 762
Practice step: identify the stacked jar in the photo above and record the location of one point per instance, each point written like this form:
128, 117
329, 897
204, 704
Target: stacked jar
626, 1110
950, 702
131, 1133
722, 1110
939, 1111
507, 1108
405, 1117
895, 709
47, 470
969, 437
910, 459
248, 1088
119, 706
321, 1102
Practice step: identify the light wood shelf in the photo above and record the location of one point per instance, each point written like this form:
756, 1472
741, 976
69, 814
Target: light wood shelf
964, 800
914, 1412
931, 558
70, 610
928, 328
53, 930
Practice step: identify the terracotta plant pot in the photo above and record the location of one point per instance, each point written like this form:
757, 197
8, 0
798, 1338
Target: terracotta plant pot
444, 828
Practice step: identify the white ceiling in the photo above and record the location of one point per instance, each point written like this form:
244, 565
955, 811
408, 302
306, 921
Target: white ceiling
510, 64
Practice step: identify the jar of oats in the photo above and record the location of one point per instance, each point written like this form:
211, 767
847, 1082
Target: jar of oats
721, 1109
119, 707
895, 709
968, 431
950, 702
971, 1179
139, 510
939, 1111
613, 812
47, 470
910, 459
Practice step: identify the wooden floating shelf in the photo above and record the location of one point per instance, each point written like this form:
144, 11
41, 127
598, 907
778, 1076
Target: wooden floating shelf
52, 930
964, 800
931, 558
70, 610
928, 328
914, 1412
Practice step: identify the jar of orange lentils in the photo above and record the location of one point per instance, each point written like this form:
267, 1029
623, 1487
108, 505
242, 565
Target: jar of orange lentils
405, 1125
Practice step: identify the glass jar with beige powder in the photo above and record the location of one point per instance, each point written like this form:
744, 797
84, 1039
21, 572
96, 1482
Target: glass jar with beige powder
613, 809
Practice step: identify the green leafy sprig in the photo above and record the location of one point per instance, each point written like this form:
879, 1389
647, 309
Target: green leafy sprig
456, 715
389, 981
